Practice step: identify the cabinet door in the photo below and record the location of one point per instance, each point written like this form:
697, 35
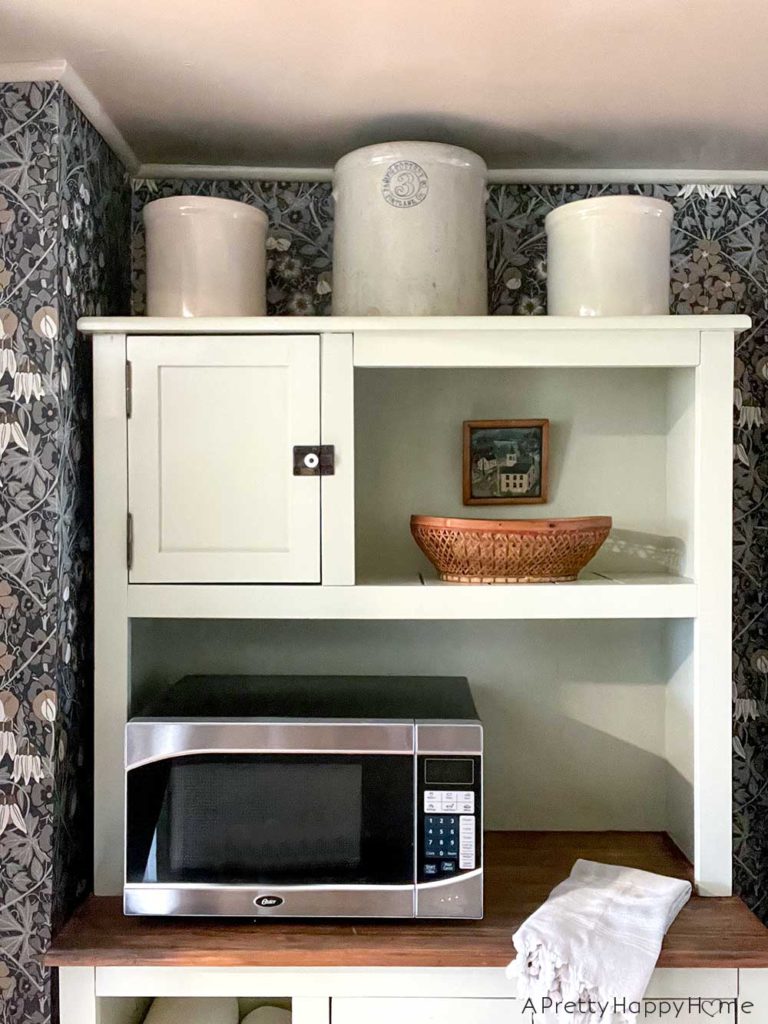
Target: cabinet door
211, 432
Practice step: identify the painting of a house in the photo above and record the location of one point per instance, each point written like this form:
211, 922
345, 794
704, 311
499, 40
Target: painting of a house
505, 461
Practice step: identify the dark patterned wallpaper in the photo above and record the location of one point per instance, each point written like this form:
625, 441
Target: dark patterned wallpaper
719, 265
64, 221
64, 218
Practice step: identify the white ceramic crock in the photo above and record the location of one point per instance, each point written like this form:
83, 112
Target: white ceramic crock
609, 256
205, 257
409, 231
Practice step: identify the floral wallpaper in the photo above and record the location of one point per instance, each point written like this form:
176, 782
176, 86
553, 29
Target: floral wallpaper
64, 222
719, 265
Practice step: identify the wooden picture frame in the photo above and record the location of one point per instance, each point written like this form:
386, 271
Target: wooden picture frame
494, 484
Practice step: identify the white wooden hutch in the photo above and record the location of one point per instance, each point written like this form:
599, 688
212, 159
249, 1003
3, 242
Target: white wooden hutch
607, 702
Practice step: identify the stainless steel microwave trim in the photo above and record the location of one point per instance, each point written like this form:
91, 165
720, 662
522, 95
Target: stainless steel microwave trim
452, 737
460, 897
148, 740
297, 901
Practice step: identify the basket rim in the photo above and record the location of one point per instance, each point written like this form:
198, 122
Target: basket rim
543, 526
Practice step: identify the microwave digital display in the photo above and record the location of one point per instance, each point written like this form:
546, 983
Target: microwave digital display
449, 771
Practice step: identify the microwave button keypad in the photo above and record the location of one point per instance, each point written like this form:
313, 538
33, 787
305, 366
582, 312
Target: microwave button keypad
467, 842
453, 801
441, 835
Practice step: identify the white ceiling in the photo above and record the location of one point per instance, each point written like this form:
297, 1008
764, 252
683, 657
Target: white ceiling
534, 84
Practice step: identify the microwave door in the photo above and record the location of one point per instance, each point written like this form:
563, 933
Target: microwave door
243, 833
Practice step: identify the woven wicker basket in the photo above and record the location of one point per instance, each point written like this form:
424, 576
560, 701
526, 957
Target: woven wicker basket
509, 551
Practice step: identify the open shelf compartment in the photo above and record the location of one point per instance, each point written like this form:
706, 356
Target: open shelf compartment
621, 444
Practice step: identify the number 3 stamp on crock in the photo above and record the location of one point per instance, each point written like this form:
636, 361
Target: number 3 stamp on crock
405, 184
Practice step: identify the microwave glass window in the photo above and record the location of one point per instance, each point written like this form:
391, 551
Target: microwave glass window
269, 819
229, 816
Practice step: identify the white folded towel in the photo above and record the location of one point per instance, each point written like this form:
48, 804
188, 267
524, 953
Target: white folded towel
597, 938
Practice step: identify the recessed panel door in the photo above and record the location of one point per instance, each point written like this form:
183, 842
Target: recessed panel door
212, 427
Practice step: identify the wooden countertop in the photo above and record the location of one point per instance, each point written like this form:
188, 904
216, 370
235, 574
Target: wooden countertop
521, 869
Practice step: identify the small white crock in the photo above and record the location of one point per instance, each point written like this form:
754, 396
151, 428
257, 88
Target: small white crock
205, 257
409, 231
609, 256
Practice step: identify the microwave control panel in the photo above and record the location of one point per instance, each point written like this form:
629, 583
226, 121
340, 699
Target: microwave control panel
449, 794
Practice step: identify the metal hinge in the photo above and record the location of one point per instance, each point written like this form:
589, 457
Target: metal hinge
128, 390
129, 540
313, 460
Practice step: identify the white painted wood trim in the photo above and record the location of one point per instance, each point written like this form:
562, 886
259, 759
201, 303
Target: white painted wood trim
753, 995
521, 347
111, 626
311, 1010
77, 996
80, 94
337, 427
234, 172
335, 982
416, 326
678, 982
713, 511
32, 70
303, 982
625, 176
627, 597
427, 1010
496, 175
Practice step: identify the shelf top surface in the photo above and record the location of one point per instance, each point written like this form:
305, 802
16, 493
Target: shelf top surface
319, 324
592, 596
521, 870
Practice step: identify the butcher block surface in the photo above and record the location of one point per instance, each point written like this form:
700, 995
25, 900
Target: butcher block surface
521, 868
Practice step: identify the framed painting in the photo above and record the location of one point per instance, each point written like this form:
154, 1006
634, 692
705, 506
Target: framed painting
505, 462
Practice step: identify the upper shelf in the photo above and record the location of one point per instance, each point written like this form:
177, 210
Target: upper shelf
469, 341
593, 596
313, 324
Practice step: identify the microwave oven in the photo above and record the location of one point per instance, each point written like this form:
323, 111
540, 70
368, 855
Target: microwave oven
306, 796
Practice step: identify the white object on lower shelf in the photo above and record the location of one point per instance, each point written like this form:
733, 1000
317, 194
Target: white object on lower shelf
267, 1015
206, 1010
